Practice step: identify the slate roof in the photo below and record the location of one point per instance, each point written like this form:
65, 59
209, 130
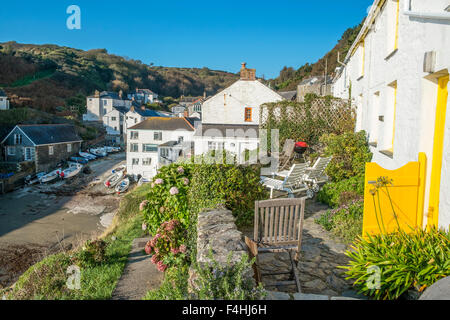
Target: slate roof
288, 95
228, 130
163, 123
146, 112
50, 133
121, 109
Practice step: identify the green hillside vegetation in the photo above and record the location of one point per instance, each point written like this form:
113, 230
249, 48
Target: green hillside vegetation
56, 76
289, 78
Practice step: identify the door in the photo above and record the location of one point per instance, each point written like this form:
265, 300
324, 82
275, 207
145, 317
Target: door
438, 149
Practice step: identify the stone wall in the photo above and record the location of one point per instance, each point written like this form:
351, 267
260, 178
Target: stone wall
217, 231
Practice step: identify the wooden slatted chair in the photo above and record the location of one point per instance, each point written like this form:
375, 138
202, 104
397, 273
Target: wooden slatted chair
278, 228
292, 182
287, 154
315, 175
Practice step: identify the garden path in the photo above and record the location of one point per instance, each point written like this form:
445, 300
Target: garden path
321, 255
139, 275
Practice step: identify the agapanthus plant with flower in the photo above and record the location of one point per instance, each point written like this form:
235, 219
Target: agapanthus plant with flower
167, 198
168, 245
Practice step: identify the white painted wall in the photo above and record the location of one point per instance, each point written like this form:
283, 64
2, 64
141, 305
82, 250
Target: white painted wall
147, 137
4, 103
228, 106
416, 90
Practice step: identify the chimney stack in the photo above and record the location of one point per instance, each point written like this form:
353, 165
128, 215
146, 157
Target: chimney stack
97, 94
247, 74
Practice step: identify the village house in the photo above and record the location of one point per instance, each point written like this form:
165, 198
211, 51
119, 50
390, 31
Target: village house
137, 114
143, 96
397, 74
44, 144
179, 110
144, 139
103, 103
195, 108
319, 85
230, 119
4, 103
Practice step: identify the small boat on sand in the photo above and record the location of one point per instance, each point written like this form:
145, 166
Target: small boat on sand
143, 180
119, 168
79, 160
33, 179
122, 186
73, 170
113, 179
50, 176
98, 152
87, 155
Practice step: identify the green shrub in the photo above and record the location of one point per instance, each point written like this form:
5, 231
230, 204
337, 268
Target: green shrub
167, 197
234, 187
404, 261
217, 281
168, 245
339, 193
92, 253
350, 153
174, 286
344, 222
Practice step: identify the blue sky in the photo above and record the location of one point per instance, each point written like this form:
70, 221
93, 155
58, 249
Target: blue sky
178, 33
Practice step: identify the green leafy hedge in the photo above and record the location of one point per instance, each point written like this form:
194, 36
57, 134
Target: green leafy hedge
399, 262
350, 153
338, 193
234, 187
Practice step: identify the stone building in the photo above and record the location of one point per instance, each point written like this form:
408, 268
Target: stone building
45, 145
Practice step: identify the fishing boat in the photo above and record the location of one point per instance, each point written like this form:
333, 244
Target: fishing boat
123, 185
50, 176
113, 179
112, 149
119, 168
33, 179
98, 152
73, 170
87, 155
79, 160
143, 180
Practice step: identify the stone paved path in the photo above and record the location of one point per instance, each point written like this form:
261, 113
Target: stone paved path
320, 257
139, 276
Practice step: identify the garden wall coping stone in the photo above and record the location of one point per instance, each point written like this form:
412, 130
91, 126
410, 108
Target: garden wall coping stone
440, 290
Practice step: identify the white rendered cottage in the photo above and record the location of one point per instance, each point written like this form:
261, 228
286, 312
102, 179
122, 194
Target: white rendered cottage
4, 103
397, 73
102, 103
230, 119
144, 139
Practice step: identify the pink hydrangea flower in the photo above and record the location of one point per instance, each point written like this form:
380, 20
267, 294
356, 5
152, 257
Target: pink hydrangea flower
173, 191
154, 259
174, 250
182, 248
180, 170
185, 181
161, 266
143, 205
148, 248
159, 181
144, 226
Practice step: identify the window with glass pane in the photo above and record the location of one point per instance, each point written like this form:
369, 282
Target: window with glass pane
134, 147
134, 135
146, 161
157, 136
149, 148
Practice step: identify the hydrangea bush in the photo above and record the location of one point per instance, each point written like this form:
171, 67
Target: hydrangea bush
167, 198
168, 245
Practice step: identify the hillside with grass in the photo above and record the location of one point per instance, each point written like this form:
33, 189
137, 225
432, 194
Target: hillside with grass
289, 78
48, 76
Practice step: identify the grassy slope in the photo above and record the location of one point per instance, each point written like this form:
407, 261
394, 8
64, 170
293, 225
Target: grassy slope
47, 279
51, 75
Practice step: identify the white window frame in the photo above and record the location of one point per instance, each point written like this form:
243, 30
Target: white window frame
11, 151
69, 147
51, 150
135, 161
31, 154
157, 136
146, 161
18, 136
134, 135
132, 145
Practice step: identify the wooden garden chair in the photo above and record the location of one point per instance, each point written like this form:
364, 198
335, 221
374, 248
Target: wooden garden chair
278, 228
287, 154
292, 182
316, 175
